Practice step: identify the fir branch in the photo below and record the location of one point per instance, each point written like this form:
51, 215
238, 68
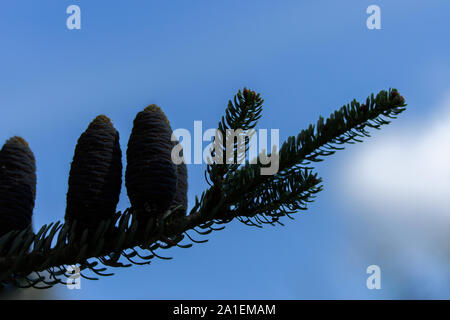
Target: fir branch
346, 125
282, 196
236, 192
241, 115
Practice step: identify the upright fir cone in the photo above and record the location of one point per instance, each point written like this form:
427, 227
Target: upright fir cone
17, 185
150, 176
95, 175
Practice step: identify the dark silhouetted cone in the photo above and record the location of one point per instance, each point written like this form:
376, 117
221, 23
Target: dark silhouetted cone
17, 185
150, 175
182, 186
95, 175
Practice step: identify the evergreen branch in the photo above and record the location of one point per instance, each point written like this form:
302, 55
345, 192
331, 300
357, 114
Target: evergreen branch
25, 255
282, 196
346, 125
241, 193
240, 116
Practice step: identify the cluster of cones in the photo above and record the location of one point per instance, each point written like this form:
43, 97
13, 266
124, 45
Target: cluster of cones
154, 182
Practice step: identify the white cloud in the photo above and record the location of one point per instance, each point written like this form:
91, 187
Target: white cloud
407, 171
395, 189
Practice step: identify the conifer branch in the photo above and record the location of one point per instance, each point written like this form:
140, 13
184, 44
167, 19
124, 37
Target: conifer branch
237, 192
346, 125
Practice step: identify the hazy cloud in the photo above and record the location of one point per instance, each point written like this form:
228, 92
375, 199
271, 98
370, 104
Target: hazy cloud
396, 191
407, 170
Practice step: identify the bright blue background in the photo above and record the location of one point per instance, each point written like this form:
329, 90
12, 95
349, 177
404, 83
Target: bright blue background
307, 58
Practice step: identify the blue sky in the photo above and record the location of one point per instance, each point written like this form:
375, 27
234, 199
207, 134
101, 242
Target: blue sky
306, 58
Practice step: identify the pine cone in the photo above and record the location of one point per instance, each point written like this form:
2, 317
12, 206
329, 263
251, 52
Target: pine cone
95, 175
17, 185
150, 175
